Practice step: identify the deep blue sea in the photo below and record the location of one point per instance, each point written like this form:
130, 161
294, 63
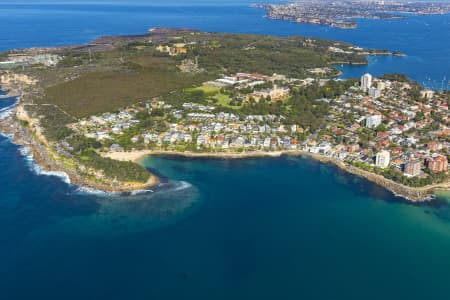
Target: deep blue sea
278, 228
425, 39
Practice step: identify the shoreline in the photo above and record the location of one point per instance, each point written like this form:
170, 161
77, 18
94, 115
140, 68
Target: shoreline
10, 90
48, 163
9, 94
413, 194
46, 160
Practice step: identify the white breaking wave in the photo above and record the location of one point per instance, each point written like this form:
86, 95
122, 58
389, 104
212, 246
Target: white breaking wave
7, 136
92, 191
427, 198
6, 111
63, 175
182, 186
25, 152
140, 192
34, 167
178, 186
8, 107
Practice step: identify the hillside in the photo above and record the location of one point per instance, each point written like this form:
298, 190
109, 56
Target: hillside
113, 72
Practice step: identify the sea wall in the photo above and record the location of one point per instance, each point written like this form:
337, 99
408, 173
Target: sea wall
410, 193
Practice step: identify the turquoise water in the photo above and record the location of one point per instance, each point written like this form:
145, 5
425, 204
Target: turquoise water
278, 228
284, 228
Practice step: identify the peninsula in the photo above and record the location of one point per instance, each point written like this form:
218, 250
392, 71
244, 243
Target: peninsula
343, 14
91, 111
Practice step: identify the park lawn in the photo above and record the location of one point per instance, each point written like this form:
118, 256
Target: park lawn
223, 100
207, 89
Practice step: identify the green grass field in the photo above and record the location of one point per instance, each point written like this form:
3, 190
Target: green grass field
214, 92
207, 89
223, 100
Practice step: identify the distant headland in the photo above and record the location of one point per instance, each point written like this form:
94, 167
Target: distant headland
344, 14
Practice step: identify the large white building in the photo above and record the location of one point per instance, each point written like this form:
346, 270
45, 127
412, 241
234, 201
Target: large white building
382, 159
374, 92
373, 121
366, 82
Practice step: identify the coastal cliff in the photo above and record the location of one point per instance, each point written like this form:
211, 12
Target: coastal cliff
26, 132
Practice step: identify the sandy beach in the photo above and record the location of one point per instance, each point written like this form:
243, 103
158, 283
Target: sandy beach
138, 155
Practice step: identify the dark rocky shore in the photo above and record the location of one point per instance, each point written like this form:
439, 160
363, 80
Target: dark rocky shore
22, 136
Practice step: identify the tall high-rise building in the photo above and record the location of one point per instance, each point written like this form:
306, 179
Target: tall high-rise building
366, 82
412, 168
382, 159
437, 164
373, 121
374, 92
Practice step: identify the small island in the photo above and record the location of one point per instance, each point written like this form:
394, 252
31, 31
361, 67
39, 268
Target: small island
92, 111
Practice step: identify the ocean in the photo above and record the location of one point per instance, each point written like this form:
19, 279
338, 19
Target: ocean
263, 228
